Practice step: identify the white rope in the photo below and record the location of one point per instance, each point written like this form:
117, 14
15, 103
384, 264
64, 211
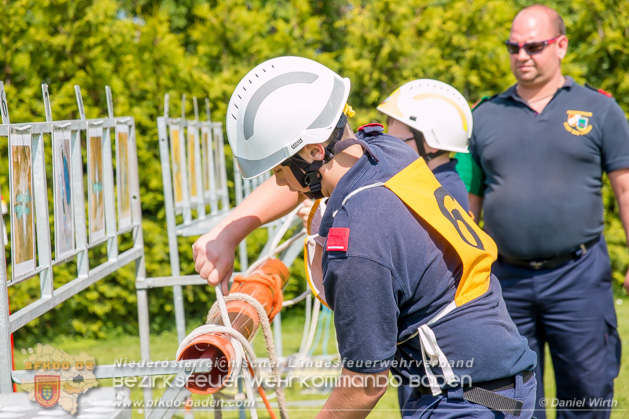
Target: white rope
241, 340
275, 247
220, 299
373, 185
290, 241
313, 327
268, 340
306, 323
298, 299
284, 228
238, 338
250, 395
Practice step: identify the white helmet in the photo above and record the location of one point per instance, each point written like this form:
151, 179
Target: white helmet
281, 106
436, 109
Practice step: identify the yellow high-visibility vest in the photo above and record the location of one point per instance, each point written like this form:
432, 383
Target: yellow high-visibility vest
417, 187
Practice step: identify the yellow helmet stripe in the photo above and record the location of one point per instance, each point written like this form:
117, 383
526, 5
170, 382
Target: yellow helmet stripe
446, 99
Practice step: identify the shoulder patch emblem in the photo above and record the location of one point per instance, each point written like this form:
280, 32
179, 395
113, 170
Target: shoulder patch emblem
578, 122
338, 239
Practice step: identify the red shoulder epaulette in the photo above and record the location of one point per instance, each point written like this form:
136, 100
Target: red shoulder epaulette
373, 124
601, 91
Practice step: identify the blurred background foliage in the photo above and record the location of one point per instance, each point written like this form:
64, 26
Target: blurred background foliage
146, 48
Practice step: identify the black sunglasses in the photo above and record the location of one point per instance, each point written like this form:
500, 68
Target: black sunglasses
530, 47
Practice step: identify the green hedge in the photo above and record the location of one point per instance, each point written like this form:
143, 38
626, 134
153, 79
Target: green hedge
143, 49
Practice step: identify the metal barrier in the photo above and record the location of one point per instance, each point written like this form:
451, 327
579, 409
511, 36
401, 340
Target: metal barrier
194, 175
110, 215
195, 192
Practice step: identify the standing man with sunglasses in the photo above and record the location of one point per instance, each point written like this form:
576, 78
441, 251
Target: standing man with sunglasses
542, 147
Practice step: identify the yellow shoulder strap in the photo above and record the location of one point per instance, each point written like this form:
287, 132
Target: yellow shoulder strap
417, 187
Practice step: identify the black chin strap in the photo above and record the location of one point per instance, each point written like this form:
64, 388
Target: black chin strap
419, 140
307, 174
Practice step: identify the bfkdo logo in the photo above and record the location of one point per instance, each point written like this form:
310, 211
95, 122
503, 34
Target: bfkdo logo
578, 122
58, 378
47, 389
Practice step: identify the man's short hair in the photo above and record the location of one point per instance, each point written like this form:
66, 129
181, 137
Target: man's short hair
558, 21
553, 15
341, 132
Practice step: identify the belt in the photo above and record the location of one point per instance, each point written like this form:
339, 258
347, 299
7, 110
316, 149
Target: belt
539, 264
501, 384
485, 394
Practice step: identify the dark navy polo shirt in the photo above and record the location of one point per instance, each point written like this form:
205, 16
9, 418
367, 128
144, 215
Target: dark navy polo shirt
543, 172
393, 277
447, 175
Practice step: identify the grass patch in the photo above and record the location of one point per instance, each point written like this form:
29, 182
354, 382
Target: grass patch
164, 347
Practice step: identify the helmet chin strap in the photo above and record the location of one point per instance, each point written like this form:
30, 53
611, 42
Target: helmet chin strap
307, 174
419, 140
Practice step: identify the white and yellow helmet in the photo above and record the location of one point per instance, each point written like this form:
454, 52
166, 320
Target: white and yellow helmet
436, 109
281, 106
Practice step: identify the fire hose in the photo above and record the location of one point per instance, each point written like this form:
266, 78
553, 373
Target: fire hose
254, 299
253, 302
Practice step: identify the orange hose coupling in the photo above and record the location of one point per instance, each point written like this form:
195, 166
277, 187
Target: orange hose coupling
265, 284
